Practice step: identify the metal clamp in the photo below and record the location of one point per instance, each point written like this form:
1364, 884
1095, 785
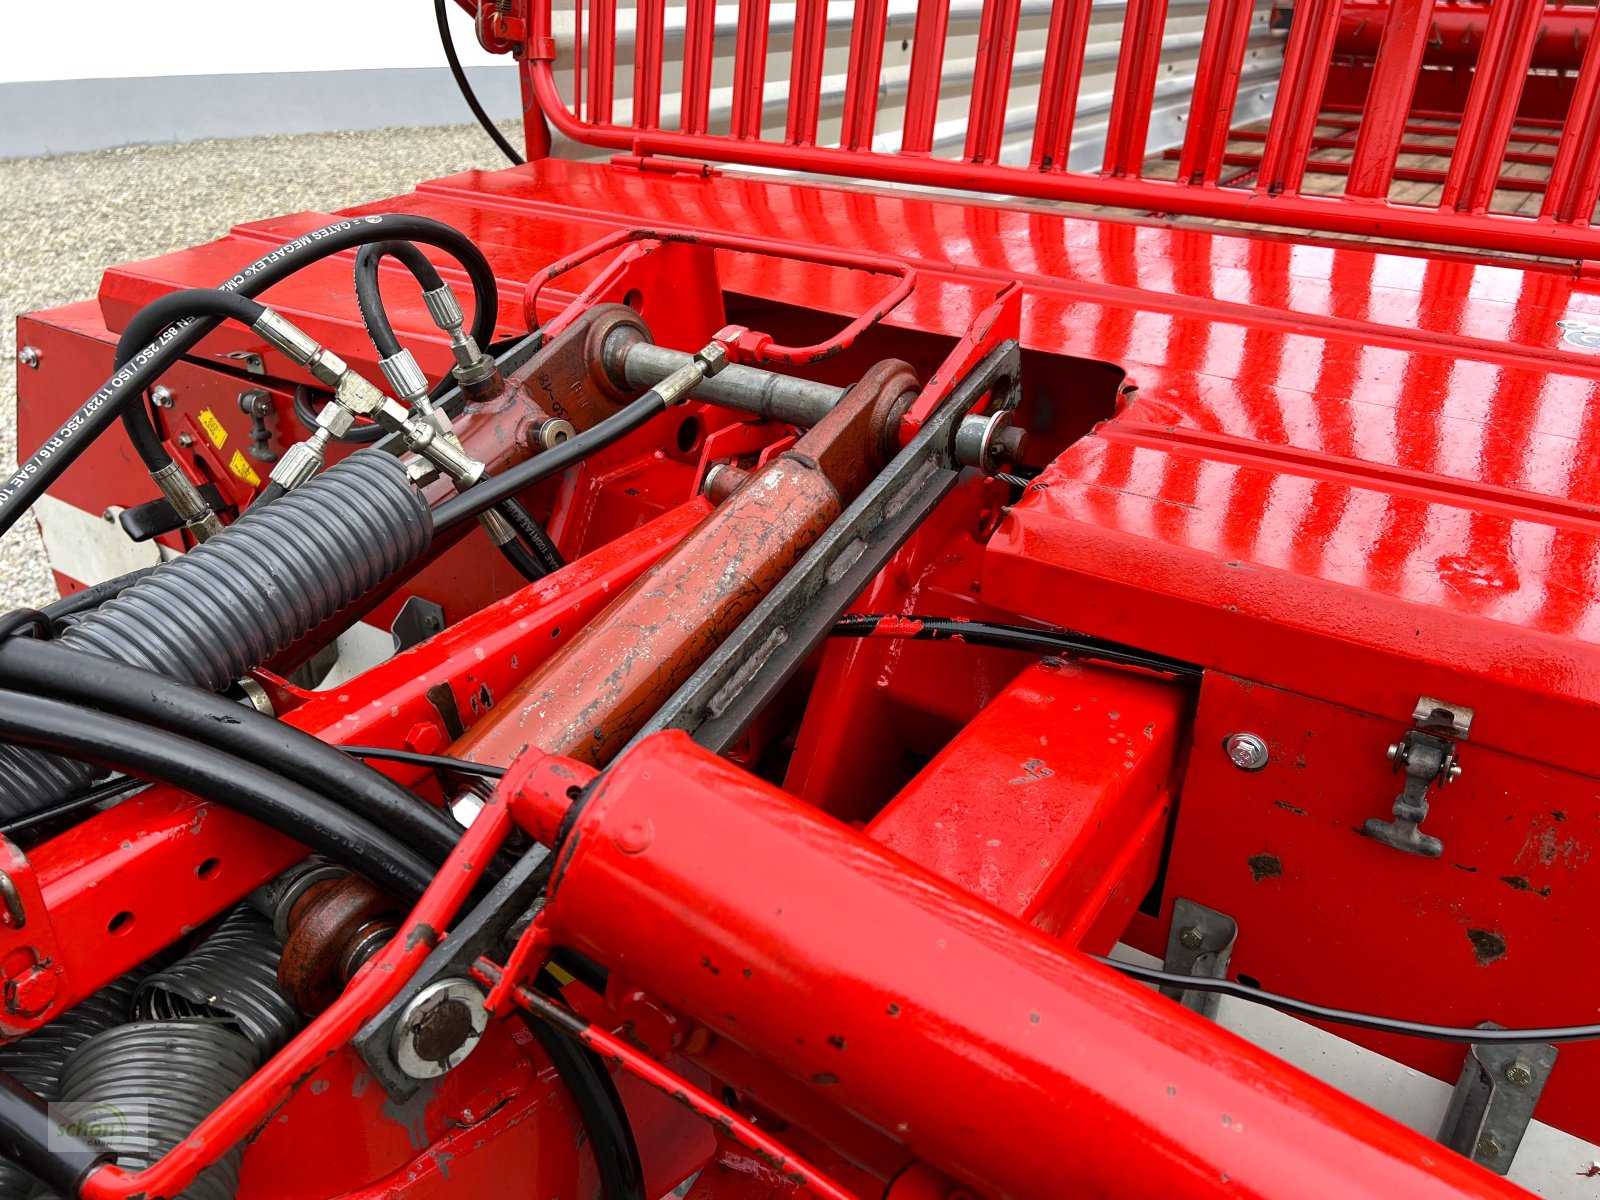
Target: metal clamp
1494, 1100
1200, 942
1427, 754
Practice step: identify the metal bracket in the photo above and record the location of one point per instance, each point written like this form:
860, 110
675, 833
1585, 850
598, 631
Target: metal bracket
1494, 1100
485, 930
416, 622
720, 700
1427, 754
249, 360
1200, 942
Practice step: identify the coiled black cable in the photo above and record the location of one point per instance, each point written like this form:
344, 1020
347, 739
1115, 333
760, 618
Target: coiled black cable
296, 811
32, 477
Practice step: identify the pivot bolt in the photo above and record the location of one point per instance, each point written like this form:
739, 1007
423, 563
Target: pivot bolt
439, 1028
1518, 1074
31, 991
1246, 751
1191, 938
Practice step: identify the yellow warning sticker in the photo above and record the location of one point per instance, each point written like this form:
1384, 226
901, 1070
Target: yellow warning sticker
240, 466
213, 428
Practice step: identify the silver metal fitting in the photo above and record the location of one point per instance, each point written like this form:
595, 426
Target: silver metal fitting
439, 1028
444, 308
473, 366
1247, 751
354, 393
420, 434
405, 378
161, 396
713, 356
987, 441
29, 356
187, 502
555, 431
497, 527
302, 460
288, 338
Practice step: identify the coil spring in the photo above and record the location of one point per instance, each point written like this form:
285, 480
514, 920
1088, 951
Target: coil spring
231, 976
146, 1085
230, 604
37, 1060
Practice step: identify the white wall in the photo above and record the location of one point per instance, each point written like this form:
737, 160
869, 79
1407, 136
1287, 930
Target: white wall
119, 39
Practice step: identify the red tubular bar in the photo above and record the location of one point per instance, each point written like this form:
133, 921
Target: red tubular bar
374, 985
991, 83
649, 36
602, 60
861, 84
805, 71
922, 87
1456, 33
1216, 87
1574, 184
699, 50
749, 69
1137, 63
960, 1031
1491, 106
1294, 116
1394, 79
1058, 88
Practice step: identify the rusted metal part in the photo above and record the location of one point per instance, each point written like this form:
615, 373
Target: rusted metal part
332, 930
589, 699
568, 377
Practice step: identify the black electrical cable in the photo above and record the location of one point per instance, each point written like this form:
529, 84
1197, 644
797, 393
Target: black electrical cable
465, 85
59, 671
293, 810
1360, 1020
914, 627
414, 758
147, 325
119, 788
512, 480
32, 477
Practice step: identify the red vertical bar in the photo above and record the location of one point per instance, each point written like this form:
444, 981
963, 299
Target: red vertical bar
922, 87
602, 59
1574, 185
1058, 88
1140, 58
1216, 87
991, 81
650, 16
1491, 106
1388, 104
699, 46
1294, 116
864, 75
805, 71
577, 59
749, 69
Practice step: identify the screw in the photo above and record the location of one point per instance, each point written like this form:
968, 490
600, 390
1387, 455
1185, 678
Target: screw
1191, 938
1518, 1074
1246, 751
1394, 751
186, 439
29, 356
31, 992
1454, 773
1488, 1147
161, 396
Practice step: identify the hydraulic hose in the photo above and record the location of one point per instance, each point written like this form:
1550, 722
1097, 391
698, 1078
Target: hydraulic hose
53, 669
368, 298
508, 483
122, 745
45, 465
146, 326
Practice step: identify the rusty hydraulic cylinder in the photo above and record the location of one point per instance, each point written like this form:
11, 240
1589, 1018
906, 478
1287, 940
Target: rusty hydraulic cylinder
990, 1050
594, 694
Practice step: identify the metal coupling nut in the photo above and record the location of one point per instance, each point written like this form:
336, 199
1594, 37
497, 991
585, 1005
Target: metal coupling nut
327, 368
300, 461
497, 527
712, 358
444, 308
405, 377
298, 345
472, 365
353, 392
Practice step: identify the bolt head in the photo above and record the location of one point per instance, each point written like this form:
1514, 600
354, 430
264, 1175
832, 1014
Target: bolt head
1394, 751
186, 440
1518, 1074
1247, 751
31, 991
161, 396
1191, 938
1488, 1148
29, 356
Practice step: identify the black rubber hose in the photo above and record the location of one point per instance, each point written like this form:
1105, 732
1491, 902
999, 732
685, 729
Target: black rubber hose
33, 1138
146, 326
545, 552
362, 434
291, 809
557, 459
51, 669
94, 416
370, 300
465, 85
91, 598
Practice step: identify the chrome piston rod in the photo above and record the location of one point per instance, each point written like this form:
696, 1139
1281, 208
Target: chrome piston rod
801, 402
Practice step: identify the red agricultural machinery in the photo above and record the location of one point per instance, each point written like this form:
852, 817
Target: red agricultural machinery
729, 661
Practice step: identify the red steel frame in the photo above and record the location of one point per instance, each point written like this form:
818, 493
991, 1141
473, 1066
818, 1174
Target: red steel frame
1272, 196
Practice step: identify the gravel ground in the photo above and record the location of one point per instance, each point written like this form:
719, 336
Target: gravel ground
63, 220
